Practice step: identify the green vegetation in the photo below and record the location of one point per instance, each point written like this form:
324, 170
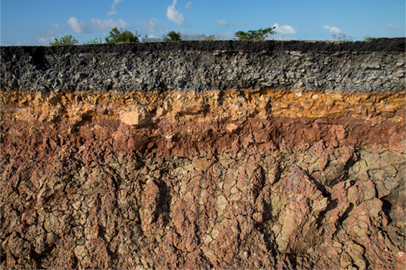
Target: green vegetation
260, 34
66, 40
341, 37
215, 37
173, 36
211, 37
95, 41
368, 38
121, 36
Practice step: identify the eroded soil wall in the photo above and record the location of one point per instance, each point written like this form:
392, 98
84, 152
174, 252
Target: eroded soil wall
193, 155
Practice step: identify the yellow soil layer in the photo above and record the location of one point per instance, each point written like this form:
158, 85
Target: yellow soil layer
206, 106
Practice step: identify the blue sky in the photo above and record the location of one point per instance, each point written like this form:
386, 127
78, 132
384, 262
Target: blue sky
37, 22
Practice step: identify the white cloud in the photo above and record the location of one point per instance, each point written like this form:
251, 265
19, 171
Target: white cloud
222, 22
45, 37
153, 27
55, 26
188, 5
106, 25
44, 40
332, 29
284, 29
174, 15
113, 8
391, 26
17, 43
60, 29
78, 27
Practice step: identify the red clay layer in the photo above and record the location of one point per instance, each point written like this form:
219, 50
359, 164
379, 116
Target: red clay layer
188, 139
108, 195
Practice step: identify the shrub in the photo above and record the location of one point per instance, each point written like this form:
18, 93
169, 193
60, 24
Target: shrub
173, 36
368, 38
341, 37
121, 36
260, 34
95, 41
66, 40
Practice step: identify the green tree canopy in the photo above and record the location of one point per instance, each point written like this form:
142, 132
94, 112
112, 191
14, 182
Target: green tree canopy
173, 36
121, 36
260, 34
66, 40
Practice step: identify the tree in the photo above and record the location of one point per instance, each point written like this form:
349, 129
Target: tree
260, 34
121, 36
66, 40
94, 41
173, 36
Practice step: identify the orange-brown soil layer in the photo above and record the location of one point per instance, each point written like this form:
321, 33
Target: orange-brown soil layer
237, 179
204, 106
186, 124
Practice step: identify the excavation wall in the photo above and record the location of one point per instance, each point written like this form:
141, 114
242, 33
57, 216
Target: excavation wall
204, 155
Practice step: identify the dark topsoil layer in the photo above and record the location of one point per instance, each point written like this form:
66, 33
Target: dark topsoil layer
376, 45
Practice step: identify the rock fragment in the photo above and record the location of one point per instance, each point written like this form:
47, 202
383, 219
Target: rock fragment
138, 117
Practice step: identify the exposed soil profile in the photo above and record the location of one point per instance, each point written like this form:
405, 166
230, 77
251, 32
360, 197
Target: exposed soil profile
250, 178
189, 190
